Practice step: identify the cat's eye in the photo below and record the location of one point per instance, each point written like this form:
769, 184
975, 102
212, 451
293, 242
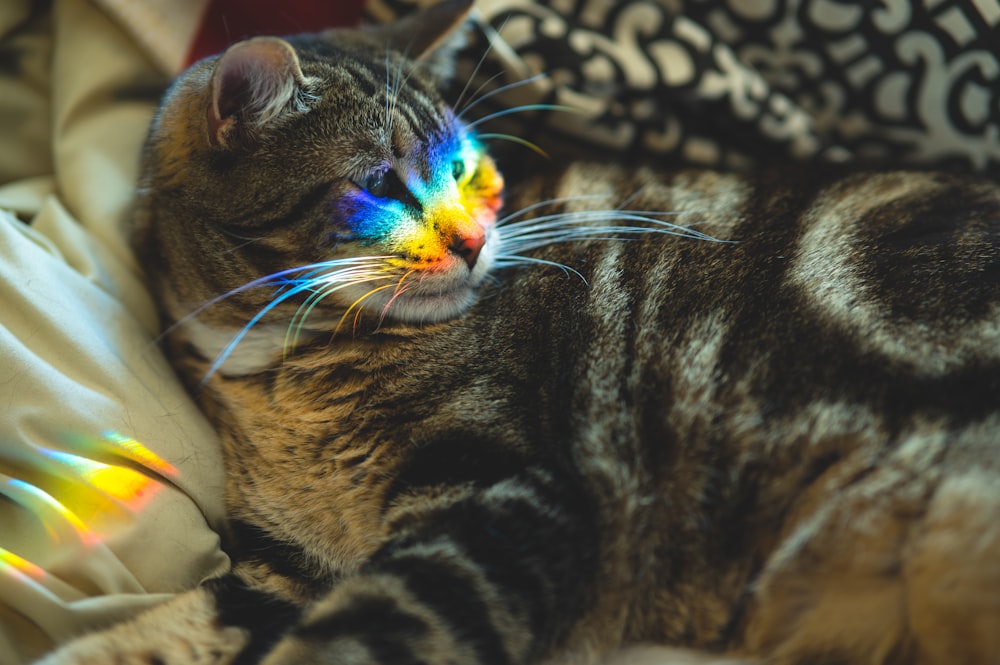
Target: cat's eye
376, 184
387, 185
458, 169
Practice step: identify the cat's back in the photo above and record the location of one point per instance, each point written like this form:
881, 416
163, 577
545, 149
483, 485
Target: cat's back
826, 376
827, 383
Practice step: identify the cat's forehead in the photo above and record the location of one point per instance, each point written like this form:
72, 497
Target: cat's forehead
366, 70
398, 109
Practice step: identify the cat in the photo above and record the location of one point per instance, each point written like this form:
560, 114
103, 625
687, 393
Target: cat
474, 421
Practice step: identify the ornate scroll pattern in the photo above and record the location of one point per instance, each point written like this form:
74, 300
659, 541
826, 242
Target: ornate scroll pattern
744, 82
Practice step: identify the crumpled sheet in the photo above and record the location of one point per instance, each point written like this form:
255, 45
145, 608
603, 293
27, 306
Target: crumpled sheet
110, 478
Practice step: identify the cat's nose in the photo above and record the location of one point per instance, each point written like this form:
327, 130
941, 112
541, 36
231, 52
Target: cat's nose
468, 247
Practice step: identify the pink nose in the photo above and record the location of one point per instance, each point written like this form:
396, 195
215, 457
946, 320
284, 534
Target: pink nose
468, 247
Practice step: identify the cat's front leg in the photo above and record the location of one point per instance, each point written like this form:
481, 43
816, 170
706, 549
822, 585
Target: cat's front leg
210, 625
498, 576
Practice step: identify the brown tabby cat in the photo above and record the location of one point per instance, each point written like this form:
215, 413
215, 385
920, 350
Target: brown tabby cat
768, 425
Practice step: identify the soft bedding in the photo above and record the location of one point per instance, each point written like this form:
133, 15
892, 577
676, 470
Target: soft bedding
110, 481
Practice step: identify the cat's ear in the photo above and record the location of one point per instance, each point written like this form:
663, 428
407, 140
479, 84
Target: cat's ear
431, 35
253, 82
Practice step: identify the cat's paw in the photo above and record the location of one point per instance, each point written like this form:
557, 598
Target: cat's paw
108, 647
184, 631
346, 644
374, 620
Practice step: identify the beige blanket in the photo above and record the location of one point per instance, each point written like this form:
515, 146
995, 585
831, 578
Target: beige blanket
109, 476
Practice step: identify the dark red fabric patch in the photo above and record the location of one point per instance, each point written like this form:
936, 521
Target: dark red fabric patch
226, 22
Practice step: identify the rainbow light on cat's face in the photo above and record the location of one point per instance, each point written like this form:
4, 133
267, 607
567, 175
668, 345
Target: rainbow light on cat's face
456, 196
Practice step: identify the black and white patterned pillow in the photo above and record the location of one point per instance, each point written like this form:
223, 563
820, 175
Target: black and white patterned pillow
743, 82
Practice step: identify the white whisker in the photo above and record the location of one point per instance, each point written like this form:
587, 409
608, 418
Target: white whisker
506, 221
498, 91
614, 225
491, 37
473, 100
521, 109
504, 260
328, 284
388, 95
472, 76
585, 223
290, 283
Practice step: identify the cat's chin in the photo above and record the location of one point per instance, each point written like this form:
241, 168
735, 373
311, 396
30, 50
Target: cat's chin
433, 298
431, 308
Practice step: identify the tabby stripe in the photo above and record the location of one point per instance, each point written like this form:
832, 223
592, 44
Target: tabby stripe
499, 534
372, 619
368, 83
454, 598
265, 616
306, 202
549, 574
420, 115
392, 651
524, 587
411, 125
455, 458
253, 543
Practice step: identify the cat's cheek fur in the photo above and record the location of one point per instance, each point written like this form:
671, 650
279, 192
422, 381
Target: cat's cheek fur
257, 350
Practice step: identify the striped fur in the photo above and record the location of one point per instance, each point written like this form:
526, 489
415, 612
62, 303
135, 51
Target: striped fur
783, 443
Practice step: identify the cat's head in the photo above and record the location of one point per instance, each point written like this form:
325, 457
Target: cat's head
317, 174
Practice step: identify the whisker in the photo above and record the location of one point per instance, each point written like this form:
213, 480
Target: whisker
515, 139
298, 320
400, 290
279, 279
631, 197
409, 67
394, 82
238, 337
500, 90
523, 108
508, 57
506, 220
504, 260
358, 304
578, 224
388, 94
473, 99
521, 236
399, 285
290, 282
233, 234
489, 47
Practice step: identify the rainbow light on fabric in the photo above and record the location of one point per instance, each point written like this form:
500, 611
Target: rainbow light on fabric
12, 564
80, 498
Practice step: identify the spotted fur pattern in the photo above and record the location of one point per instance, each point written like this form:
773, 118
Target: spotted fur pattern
780, 443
